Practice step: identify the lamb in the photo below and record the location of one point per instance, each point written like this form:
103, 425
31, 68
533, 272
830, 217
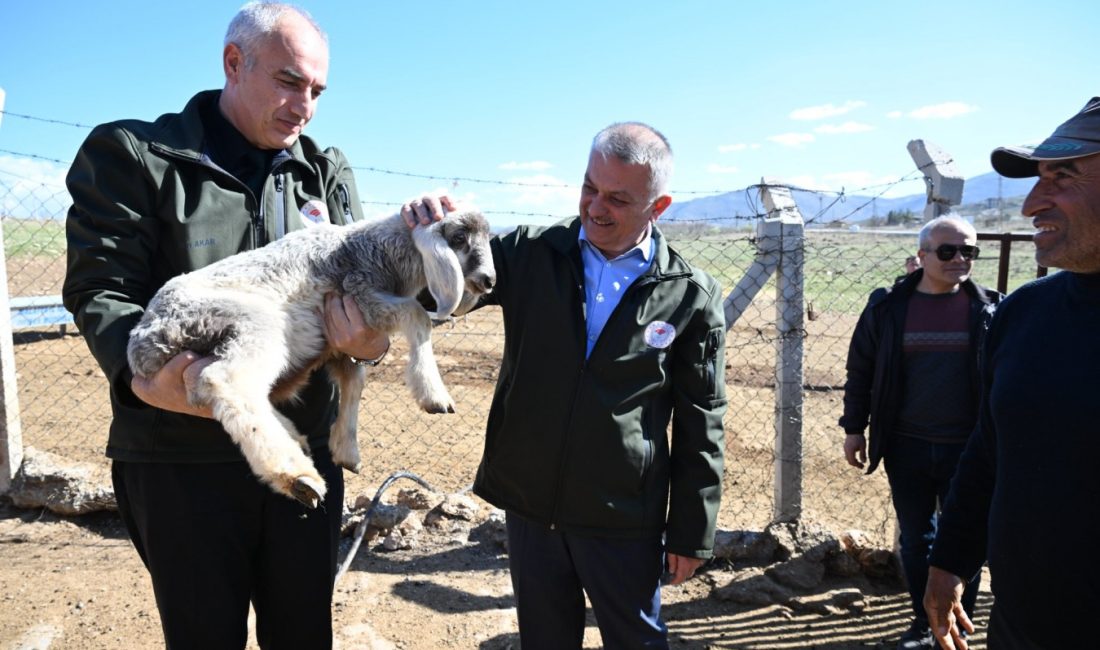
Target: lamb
259, 313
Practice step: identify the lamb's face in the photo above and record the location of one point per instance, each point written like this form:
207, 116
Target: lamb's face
467, 234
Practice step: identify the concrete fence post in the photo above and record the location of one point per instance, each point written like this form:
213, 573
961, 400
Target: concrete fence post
943, 180
786, 231
11, 431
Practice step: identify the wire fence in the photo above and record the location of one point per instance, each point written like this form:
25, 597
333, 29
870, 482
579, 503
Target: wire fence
65, 408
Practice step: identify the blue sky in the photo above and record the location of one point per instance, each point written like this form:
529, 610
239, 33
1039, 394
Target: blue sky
818, 94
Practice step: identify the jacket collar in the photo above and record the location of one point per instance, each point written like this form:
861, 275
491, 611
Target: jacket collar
667, 264
183, 134
908, 287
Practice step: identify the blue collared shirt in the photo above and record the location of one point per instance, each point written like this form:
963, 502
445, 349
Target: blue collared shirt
605, 280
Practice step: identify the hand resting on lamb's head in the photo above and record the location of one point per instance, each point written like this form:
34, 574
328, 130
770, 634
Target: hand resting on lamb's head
258, 314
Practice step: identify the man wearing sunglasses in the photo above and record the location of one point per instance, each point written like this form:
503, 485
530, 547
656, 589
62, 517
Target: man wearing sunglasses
1027, 491
913, 375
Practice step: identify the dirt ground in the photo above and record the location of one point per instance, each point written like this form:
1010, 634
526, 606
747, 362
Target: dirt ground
76, 583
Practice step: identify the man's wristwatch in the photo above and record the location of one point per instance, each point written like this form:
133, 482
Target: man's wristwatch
370, 363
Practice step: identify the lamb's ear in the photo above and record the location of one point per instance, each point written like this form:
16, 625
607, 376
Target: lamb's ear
441, 268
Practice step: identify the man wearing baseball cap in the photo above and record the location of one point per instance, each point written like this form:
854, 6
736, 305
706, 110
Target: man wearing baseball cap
1027, 490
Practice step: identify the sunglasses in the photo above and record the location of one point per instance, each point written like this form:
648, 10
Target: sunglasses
947, 252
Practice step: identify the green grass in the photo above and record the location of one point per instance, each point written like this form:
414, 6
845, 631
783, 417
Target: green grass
33, 237
841, 269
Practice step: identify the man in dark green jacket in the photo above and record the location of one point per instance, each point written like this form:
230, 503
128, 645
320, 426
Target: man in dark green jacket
610, 335
231, 172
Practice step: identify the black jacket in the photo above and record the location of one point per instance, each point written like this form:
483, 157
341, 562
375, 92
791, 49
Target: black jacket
1027, 489
874, 387
583, 445
150, 204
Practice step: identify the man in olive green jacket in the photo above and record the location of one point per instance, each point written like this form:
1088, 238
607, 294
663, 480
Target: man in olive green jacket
610, 335
151, 201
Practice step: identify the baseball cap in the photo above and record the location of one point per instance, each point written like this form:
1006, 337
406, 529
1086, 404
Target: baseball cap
1077, 137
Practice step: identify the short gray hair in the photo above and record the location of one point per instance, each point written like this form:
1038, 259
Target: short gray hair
924, 237
638, 144
256, 21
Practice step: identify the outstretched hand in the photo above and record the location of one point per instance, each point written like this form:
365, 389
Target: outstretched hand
427, 209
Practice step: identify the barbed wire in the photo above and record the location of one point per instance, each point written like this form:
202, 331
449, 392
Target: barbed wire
47, 120
35, 156
755, 212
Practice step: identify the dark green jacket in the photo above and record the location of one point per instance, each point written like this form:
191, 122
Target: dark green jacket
583, 445
148, 204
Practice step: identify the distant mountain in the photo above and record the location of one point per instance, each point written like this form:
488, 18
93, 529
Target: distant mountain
741, 207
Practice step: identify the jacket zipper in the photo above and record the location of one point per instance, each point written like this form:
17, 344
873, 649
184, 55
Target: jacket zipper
710, 353
643, 281
345, 202
556, 512
280, 208
578, 276
255, 216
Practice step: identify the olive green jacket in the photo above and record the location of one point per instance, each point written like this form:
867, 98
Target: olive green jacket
584, 445
149, 204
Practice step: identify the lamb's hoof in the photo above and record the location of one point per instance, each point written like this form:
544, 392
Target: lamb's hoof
305, 493
351, 467
438, 407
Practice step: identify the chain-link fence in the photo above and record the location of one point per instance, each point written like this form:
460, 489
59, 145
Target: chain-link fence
65, 410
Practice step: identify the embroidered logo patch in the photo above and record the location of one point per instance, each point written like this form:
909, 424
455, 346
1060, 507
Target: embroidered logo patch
314, 212
659, 334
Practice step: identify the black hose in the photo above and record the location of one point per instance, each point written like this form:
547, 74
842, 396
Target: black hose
361, 529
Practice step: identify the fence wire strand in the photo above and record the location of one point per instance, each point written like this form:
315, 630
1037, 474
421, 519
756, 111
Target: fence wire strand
65, 409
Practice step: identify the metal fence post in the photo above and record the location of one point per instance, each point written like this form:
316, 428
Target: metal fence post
787, 227
11, 431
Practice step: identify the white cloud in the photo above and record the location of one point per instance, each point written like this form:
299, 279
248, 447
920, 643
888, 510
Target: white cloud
792, 139
534, 165
825, 110
944, 111
804, 182
893, 115
740, 146
722, 169
543, 192
859, 182
31, 188
854, 180
847, 127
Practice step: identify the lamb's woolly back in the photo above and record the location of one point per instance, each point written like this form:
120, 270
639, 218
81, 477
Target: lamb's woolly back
204, 309
260, 314
381, 250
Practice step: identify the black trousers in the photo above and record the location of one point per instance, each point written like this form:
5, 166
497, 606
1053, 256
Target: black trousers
552, 571
213, 538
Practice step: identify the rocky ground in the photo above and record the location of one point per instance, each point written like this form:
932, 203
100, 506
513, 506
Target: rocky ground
435, 576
